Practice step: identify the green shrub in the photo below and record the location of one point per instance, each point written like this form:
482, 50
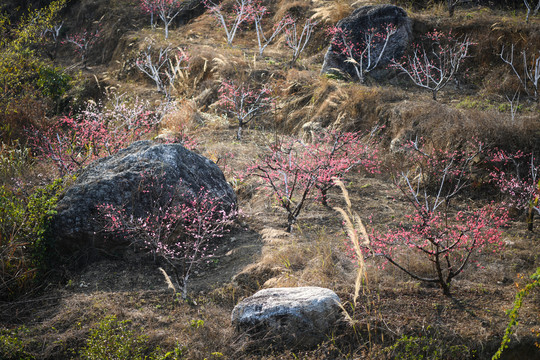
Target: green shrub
24, 222
113, 339
514, 312
26, 81
425, 348
53, 82
11, 345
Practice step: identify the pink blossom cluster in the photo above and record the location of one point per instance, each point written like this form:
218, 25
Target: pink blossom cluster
333, 154
517, 175
183, 232
73, 141
447, 241
446, 237
149, 7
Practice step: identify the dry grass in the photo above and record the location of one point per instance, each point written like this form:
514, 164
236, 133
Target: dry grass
331, 11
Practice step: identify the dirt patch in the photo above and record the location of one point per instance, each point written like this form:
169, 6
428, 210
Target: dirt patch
137, 271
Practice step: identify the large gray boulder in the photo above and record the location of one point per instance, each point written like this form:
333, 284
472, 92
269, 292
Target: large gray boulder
294, 317
356, 24
117, 180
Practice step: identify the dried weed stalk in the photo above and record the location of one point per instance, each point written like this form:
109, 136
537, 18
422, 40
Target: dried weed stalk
357, 234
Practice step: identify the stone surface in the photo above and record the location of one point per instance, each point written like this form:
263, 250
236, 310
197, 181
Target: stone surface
297, 317
117, 179
367, 17
190, 9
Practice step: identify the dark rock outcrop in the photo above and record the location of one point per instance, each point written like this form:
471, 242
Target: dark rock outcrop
117, 180
356, 24
293, 317
190, 9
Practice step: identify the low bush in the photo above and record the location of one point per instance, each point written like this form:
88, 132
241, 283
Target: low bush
113, 339
425, 347
24, 222
12, 346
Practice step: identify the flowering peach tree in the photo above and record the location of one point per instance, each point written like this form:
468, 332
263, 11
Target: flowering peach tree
243, 12
83, 42
366, 55
149, 7
434, 65
292, 169
166, 10
518, 177
178, 227
448, 238
73, 141
244, 103
334, 154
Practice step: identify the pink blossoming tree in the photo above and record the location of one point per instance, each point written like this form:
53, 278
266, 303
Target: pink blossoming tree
244, 103
83, 42
517, 177
292, 169
185, 234
445, 237
365, 56
73, 141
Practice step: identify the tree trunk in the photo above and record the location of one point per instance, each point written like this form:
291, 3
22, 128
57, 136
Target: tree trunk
530, 217
451, 7
239, 131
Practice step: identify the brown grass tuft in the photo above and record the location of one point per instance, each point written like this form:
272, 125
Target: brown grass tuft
297, 9
182, 118
331, 11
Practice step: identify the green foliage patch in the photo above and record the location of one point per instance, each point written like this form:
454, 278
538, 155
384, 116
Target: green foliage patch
12, 346
425, 347
113, 339
24, 242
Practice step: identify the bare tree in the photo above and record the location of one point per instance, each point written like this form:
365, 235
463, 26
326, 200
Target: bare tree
433, 67
531, 70
529, 6
164, 68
